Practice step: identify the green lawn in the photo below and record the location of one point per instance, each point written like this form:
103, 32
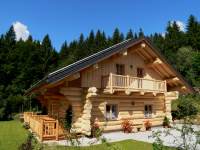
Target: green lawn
123, 145
12, 134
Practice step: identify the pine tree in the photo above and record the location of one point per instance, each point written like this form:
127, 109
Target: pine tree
90, 43
141, 33
174, 39
129, 35
10, 36
116, 38
81, 50
193, 33
100, 40
48, 54
64, 51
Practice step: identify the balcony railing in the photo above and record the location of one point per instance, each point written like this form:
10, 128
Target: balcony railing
115, 82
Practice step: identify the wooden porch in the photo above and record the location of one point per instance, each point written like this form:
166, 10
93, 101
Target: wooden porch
45, 127
114, 82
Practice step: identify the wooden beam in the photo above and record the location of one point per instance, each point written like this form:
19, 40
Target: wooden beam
73, 77
96, 66
183, 87
157, 61
143, 52
173, 79
142, 93
162, 70
158, 71
139, 53
124, 52
154, 93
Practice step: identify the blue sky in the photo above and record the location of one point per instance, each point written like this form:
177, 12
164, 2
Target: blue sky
66, 19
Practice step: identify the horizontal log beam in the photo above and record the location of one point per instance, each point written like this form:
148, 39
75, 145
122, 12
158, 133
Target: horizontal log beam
174, 79
157, 61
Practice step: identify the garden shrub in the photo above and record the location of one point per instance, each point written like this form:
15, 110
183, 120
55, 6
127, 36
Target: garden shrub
127, 126
186, 108
27, 145
166, 122
26, 125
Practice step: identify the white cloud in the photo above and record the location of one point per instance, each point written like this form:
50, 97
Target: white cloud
21, 31
180, 24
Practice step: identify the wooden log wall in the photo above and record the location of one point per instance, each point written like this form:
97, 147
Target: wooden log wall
129, 107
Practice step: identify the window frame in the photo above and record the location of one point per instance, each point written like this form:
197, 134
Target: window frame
149, 111
108, 118
120, 69
140, 72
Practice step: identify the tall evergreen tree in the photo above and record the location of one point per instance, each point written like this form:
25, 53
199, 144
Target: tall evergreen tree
193, 33
100, 40
90, 43
129, 35
141, 33
49, 55
116, 38
64, 51
10, 36
174, 39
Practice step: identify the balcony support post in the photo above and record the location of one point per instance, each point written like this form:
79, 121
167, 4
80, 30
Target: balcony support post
127, 82
165, 84
111, 83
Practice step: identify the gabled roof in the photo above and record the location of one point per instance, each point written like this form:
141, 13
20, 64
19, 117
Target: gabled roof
95, 58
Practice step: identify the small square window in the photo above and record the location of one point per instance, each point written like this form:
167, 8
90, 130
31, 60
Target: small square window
111, 112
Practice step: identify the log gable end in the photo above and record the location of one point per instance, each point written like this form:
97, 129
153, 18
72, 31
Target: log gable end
92, 76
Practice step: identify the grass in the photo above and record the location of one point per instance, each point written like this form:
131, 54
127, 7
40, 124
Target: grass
122, 145
12, 135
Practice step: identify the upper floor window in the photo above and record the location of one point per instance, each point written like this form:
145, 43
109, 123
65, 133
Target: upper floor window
148, 111
111, 111
140, 72
120, 68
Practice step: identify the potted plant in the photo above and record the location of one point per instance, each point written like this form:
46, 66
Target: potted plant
166, 123
96, 130
127, 126
147, 125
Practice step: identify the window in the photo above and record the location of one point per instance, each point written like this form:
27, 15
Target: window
111, 112
120, 69
148, 111
140, 72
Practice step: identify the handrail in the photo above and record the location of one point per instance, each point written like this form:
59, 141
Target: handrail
43, 127
119, 82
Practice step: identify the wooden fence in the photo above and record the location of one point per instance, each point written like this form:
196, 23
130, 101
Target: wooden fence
45, 127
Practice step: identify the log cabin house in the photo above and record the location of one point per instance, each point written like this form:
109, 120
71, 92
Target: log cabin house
130, 80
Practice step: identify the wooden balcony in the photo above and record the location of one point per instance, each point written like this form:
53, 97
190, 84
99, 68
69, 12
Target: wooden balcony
45, 127
113, 82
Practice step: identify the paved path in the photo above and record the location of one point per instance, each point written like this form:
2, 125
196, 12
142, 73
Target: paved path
139, 136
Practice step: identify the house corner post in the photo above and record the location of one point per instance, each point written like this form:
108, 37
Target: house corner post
169, 97
87, 108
